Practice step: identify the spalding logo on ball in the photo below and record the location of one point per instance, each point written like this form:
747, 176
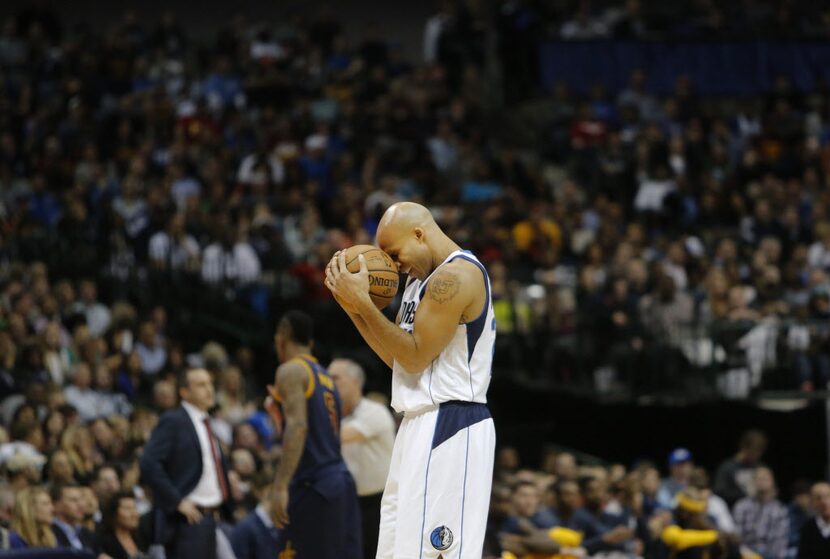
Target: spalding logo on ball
441, 538
383, 272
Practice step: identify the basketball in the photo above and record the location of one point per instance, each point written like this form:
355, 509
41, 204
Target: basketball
383, 274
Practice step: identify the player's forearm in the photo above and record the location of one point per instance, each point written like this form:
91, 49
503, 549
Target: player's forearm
400, 344
292, 451
369, 338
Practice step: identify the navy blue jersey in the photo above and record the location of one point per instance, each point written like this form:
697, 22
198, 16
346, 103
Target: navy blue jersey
322, 492
322, 446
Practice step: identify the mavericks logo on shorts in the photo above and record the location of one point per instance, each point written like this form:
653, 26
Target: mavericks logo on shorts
441, 538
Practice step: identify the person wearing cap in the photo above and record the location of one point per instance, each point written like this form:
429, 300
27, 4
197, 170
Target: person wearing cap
680, 471
24, 469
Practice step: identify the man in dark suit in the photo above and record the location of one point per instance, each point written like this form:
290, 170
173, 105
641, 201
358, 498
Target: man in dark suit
255, 537
815, 534
185, 468
69, 513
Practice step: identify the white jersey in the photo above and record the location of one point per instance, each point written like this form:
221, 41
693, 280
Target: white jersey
461, 372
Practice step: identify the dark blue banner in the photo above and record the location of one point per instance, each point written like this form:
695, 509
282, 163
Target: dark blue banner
744, 68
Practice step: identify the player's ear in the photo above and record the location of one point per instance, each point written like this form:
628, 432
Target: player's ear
419, 234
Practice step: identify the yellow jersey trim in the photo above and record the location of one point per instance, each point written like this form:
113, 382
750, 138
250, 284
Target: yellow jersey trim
312, 378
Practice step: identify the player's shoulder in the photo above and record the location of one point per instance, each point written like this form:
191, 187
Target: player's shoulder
466, 272
293, 370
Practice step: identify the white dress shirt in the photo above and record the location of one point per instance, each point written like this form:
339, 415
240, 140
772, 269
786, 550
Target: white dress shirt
208, 492
368, 460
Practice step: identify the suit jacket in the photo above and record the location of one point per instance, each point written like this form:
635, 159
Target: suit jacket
171, 465
813, 545
252, 539
88, 539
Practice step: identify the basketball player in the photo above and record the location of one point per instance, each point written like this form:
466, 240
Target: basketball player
313, 498
438, 491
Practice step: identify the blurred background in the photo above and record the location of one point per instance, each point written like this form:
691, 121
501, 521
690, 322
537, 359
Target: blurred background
645, 181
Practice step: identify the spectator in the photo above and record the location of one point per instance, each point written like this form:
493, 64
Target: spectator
681, 467
105, 483
151, 349
566, 467
164, 396
119, 528
255, 537
7, 498
231, 397
98, 316
367, 434
733, 479
525, 509
109, 403
80, 394
814, 542
602, 531
716, 508
32, 520
68, 517
24, 470
173, 249
800, 513
230, 260
762, 520
59, 469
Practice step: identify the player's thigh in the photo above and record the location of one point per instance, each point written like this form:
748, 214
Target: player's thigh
443, 505
326, 525
458, 499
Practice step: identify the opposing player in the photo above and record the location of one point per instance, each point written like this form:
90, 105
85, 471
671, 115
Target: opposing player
438, 491
313, 498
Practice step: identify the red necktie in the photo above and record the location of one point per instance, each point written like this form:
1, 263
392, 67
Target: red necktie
217, 462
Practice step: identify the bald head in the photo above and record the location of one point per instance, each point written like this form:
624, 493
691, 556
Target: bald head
409, 234
404, 217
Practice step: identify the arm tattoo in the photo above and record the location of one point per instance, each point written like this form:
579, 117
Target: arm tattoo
444, 286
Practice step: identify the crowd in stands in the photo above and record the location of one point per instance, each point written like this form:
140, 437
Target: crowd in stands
566, 509
136, 152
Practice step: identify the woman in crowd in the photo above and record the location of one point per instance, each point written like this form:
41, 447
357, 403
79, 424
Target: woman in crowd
32, 520
119, 538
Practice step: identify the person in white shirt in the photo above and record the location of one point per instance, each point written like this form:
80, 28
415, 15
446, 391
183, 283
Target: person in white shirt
367, 435
174, 249
230, 260
183, 464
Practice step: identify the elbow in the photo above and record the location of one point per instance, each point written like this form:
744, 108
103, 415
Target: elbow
414, 366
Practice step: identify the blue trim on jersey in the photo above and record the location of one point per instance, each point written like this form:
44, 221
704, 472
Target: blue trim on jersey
424, 517
475, 328
464, 495
454, 416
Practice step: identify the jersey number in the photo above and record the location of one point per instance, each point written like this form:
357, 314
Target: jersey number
331, 406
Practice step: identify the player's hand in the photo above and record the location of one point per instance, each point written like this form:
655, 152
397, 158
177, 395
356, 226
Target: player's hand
330, 267
272, 408
618, 535
278, 506
189, 511
513, 543
351, 289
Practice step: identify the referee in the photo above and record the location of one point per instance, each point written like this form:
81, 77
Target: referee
367, 434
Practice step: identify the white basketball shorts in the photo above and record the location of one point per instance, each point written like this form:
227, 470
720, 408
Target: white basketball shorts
437, 494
